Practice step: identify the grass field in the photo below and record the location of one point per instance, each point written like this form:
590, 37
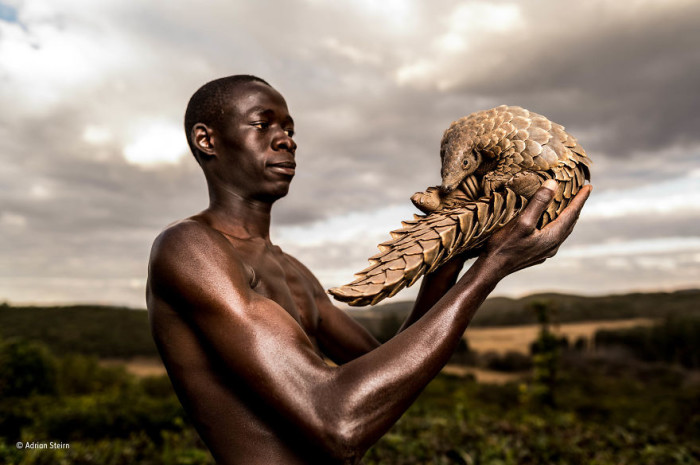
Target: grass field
90, 376
519, 338
138, 366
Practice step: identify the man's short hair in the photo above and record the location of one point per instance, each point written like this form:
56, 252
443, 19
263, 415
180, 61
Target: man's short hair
208, 104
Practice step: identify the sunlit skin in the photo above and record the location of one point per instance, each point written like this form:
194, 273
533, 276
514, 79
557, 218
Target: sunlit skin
243, 328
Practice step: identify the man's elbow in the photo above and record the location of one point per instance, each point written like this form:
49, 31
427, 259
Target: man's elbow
343, 441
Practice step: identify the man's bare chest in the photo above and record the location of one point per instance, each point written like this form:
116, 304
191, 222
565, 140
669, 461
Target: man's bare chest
275, 276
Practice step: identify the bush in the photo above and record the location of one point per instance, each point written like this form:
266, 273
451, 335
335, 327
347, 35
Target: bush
26, 369
509, 362
112, 415
463, 355
80, 374
388, 327
676, 340
157, 386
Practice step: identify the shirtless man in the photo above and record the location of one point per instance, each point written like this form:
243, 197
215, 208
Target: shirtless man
243, 328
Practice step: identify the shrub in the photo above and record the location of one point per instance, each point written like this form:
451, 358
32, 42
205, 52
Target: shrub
80, 374
26, 368
509, 362
676, 340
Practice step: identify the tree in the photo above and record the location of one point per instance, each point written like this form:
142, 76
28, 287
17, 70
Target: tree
545, 357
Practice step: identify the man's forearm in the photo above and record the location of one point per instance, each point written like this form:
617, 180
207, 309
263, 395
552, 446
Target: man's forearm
378, 387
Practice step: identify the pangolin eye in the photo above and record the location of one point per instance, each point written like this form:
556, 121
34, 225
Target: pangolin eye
465, 163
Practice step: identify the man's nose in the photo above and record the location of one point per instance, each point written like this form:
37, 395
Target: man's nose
283, 141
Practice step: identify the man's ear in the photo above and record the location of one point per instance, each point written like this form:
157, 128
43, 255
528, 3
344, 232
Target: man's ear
203, 138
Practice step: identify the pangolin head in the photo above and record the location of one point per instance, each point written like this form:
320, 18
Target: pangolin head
460, 158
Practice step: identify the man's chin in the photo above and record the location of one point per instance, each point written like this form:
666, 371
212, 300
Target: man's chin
279, 190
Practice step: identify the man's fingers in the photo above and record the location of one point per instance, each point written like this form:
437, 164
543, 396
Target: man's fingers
537, 205
567, 219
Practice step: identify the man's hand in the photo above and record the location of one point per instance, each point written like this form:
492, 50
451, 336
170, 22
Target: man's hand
520, 244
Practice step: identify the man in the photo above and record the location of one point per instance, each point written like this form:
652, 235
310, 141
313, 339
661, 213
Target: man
243, 328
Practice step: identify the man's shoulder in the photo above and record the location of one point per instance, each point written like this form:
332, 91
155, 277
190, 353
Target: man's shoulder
188, 252
187, 234
189, 244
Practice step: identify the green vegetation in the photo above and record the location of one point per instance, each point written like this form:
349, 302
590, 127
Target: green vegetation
107, 416
633, 400
91, 330
545, 360
462, 422
674, 341
601, 408
608, 412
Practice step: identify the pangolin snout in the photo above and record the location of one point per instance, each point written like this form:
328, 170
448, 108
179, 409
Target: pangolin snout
450, 181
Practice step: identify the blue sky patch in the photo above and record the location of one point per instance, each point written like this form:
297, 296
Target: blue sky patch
8, 13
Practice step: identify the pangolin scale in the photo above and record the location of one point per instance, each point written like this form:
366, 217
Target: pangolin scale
493, 161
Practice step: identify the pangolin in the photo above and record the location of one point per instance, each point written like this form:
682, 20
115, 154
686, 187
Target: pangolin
493, 161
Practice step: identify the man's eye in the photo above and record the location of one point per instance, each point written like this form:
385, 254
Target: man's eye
289, 132
261, 124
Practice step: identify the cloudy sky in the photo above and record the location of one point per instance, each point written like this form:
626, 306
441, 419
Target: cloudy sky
95, 163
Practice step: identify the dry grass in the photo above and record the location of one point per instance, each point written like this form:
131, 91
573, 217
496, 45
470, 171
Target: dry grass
519, 338
138, 366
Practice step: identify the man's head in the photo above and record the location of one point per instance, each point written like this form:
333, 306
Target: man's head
240, 132
210, 103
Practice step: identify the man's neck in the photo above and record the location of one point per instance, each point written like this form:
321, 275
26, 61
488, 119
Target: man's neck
238, 216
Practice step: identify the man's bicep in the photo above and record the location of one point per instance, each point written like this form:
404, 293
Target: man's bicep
259, 342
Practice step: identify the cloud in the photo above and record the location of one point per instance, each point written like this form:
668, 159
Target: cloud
95, 163
663, 245
681, 195
156, 142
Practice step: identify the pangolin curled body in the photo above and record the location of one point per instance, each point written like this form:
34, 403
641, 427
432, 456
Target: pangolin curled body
493, 161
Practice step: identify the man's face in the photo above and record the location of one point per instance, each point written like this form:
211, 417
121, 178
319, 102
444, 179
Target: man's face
256, 148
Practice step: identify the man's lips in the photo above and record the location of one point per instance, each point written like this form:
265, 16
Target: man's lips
285, 167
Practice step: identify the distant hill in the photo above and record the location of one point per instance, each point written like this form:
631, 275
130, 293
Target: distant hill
503, 311
87, 329
121, 332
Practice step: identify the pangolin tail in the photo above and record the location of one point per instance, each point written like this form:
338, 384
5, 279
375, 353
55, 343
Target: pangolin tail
425, 243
